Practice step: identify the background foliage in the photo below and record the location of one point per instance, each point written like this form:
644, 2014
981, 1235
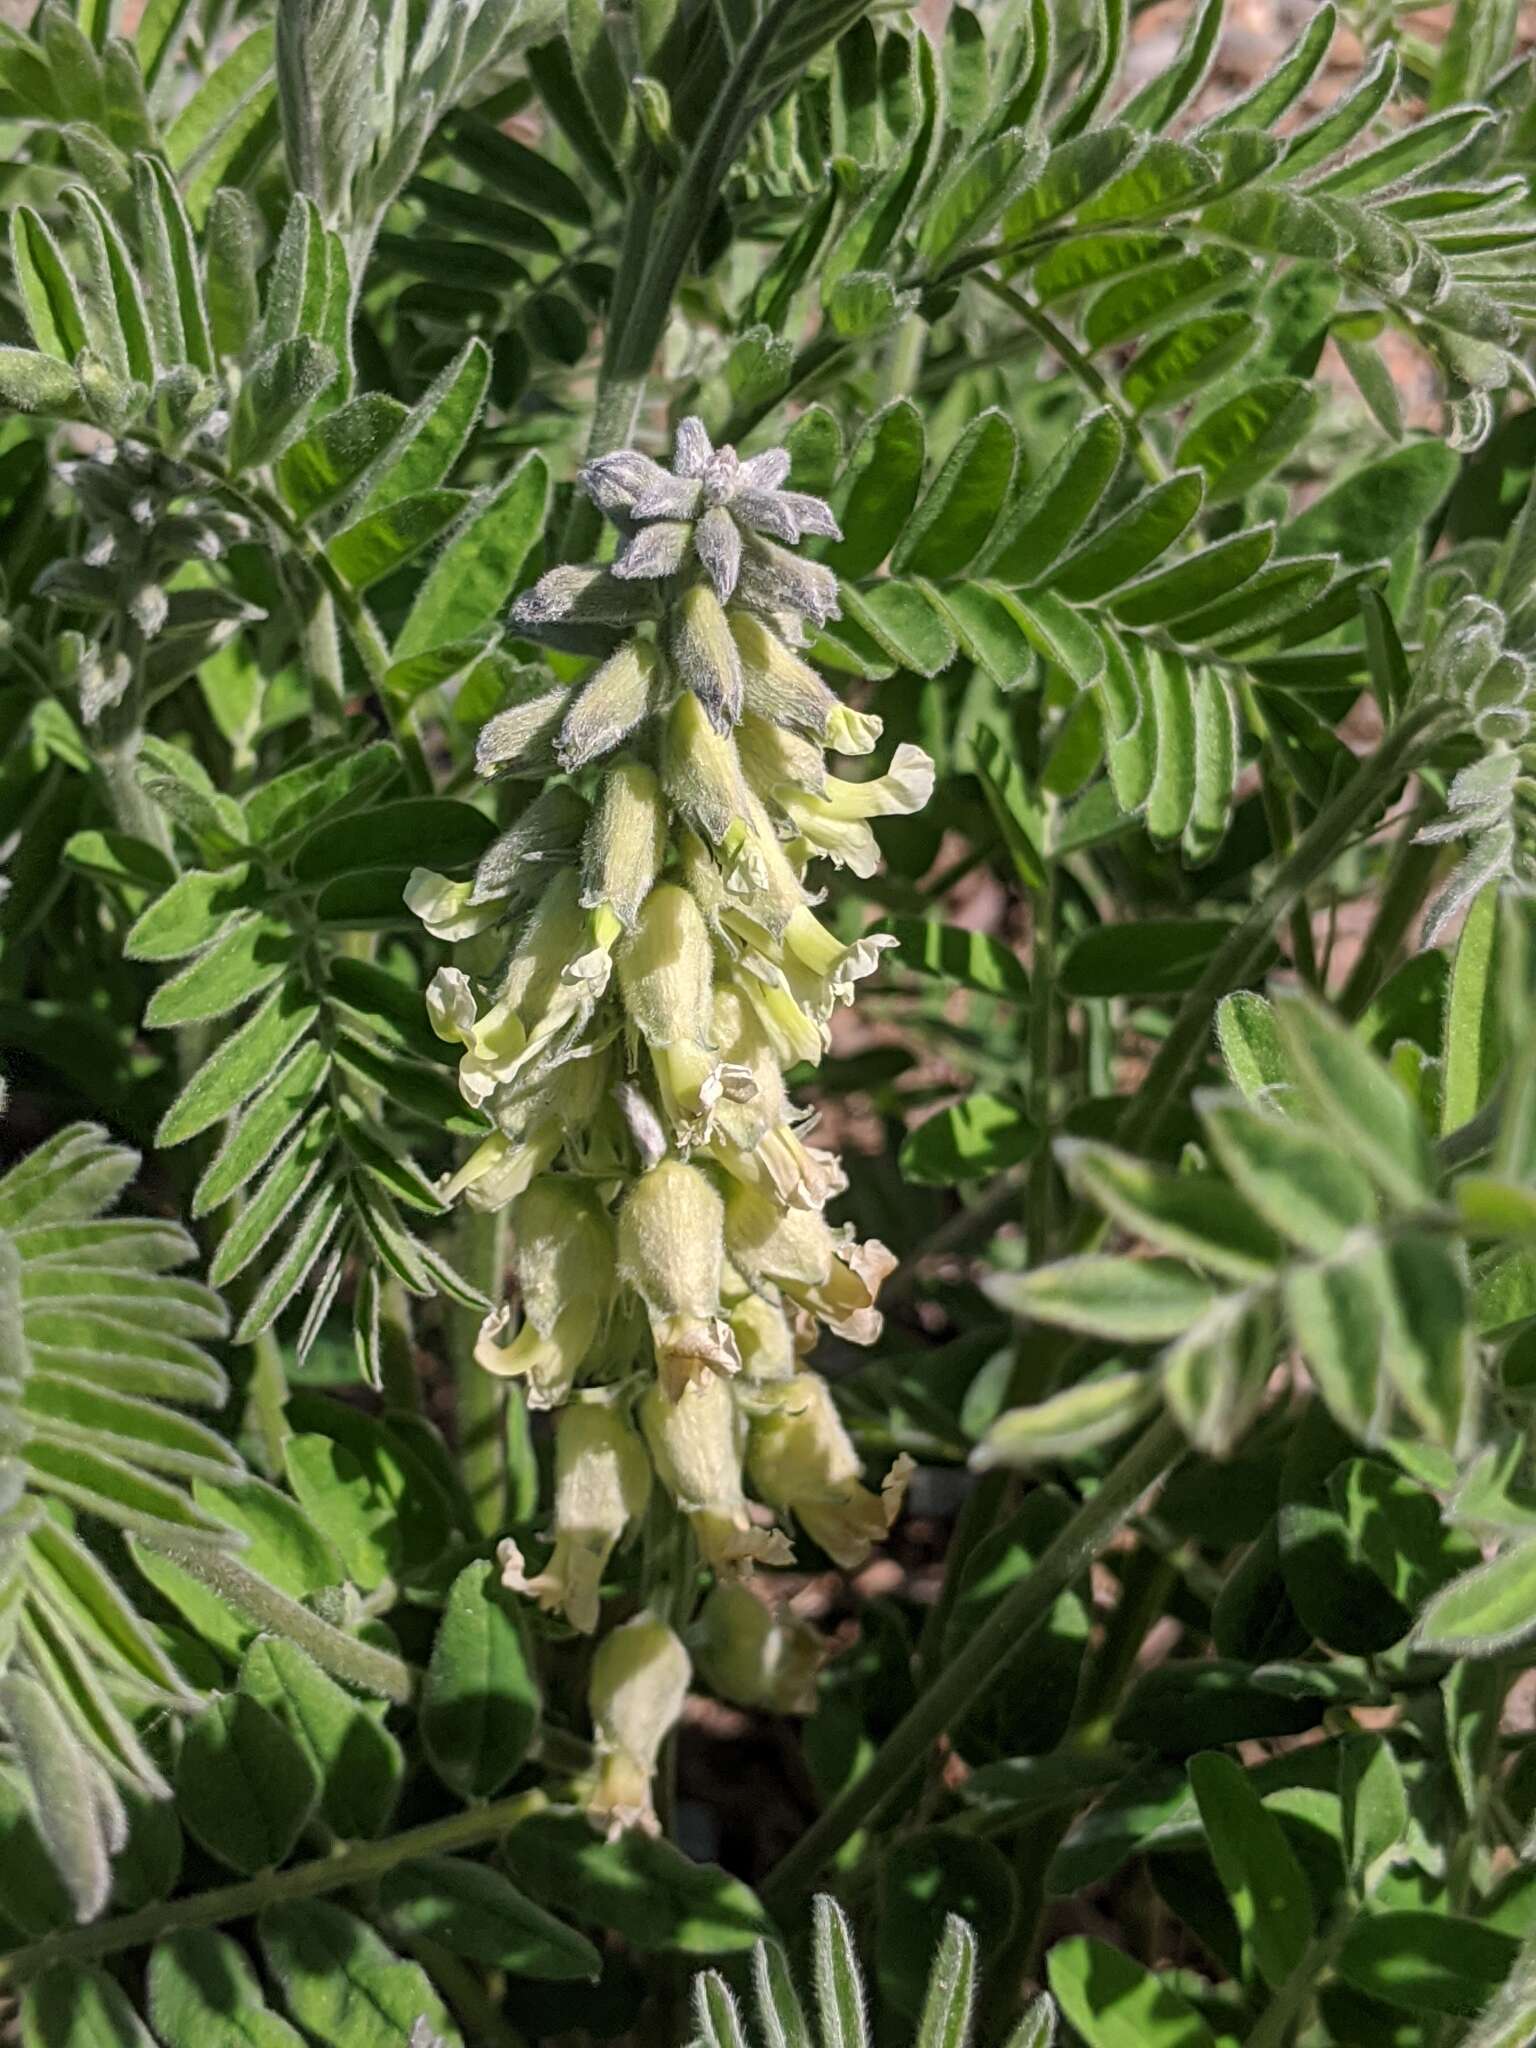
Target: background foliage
1177, 427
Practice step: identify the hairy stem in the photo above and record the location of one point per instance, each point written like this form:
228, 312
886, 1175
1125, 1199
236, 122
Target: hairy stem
360, 1664
361, 1863
1279, 2018
480, 1399
970, 1676
1237, 959
1409, 881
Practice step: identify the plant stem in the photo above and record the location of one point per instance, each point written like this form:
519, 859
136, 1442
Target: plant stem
1083, 368
361, 1863
1274, 2024
1408, 882
131, 805
1040, 1201
968, 1678
268, 1399
357, 1664
331, 592
1237, 959
479, 1398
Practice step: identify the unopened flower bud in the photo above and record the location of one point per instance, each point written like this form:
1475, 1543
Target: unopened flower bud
602, 1484
625, 842
701, 772
546, 833
773, 580
571, 595
801, 1458
764, 1339
639, 1681
519, 740
652, 552
614, 482
704, 657
671, 1253
666, 973
831, 1276
777, 684
666, 969
610, 704
757, 1655
717, 542
566, 1268
697, 1441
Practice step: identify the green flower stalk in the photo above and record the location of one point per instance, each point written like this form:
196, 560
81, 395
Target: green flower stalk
638, 961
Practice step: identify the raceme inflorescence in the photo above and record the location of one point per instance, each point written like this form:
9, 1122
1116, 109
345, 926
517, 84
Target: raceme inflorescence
666, 967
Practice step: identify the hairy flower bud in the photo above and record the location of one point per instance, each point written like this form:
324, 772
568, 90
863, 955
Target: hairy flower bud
671, 1252
520, 739
602, 1484
566, 1268
700, 771
640, 1677
764, 1339
697, 1441
802, 1459
610, 704
625, 842
776, 684
547, 832
703, 655
758, 1655
666, 975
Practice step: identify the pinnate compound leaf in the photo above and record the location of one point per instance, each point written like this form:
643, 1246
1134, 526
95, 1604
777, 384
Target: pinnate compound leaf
244, 1785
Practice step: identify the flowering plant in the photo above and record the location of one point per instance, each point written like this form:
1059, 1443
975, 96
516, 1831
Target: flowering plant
765, 979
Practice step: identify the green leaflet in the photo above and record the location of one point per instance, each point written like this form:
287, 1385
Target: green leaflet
481, 1703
